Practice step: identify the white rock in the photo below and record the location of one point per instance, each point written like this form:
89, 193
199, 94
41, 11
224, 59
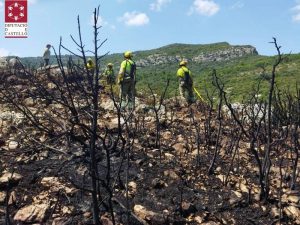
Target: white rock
143, 213
12, 145
293, 198
169, 156
292, 212
15, 177
275, 212
235, 197
132, 187
32, 213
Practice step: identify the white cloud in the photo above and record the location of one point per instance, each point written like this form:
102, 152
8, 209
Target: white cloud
4, 52
238, 5
205, 7
135, 19
100, 22
31, 2
296, 11
157, 5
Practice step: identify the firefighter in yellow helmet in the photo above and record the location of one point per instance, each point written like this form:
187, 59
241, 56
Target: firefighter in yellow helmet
126, 80
185, 82
109, 74
90, 65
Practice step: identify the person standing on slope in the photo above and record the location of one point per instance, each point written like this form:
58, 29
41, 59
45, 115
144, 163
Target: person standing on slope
126, 80
46, 55
90, 66
185, 82
109, 74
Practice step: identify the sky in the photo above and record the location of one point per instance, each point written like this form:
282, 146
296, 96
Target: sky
147, 24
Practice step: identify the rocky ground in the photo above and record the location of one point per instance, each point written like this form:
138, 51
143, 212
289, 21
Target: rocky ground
44, 184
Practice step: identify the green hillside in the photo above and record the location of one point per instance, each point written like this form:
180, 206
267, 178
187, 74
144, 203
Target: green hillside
239, 66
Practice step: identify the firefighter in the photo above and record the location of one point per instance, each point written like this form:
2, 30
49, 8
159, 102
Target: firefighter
90, 65
109, 74
185, 82
127, 80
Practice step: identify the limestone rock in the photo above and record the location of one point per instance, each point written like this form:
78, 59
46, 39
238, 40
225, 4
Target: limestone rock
107, 105
29, 102
221, 177
171, 173
113, 123
179, 147
167, 135
12, 198
293, 196
198, 219
169, 156
243, 188
235, 197
32, 213
293, 199
292, 212
148, 215
132, 187
275, 212
143, 213
12, 145
14, 178
55, 185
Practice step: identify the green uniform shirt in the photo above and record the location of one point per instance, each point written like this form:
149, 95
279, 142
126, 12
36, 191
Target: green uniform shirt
109, 72
126, 68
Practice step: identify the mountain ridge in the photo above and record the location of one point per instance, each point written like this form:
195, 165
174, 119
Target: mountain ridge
240, 66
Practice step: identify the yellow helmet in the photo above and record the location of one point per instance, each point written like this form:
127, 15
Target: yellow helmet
183, 63
110, 65
128, 54
90, 60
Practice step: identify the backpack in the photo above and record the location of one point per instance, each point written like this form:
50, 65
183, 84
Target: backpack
187, 78
132, 70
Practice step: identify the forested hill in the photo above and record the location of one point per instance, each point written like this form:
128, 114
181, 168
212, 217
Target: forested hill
240, 67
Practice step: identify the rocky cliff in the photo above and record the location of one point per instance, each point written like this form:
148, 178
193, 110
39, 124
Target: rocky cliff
216, 55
